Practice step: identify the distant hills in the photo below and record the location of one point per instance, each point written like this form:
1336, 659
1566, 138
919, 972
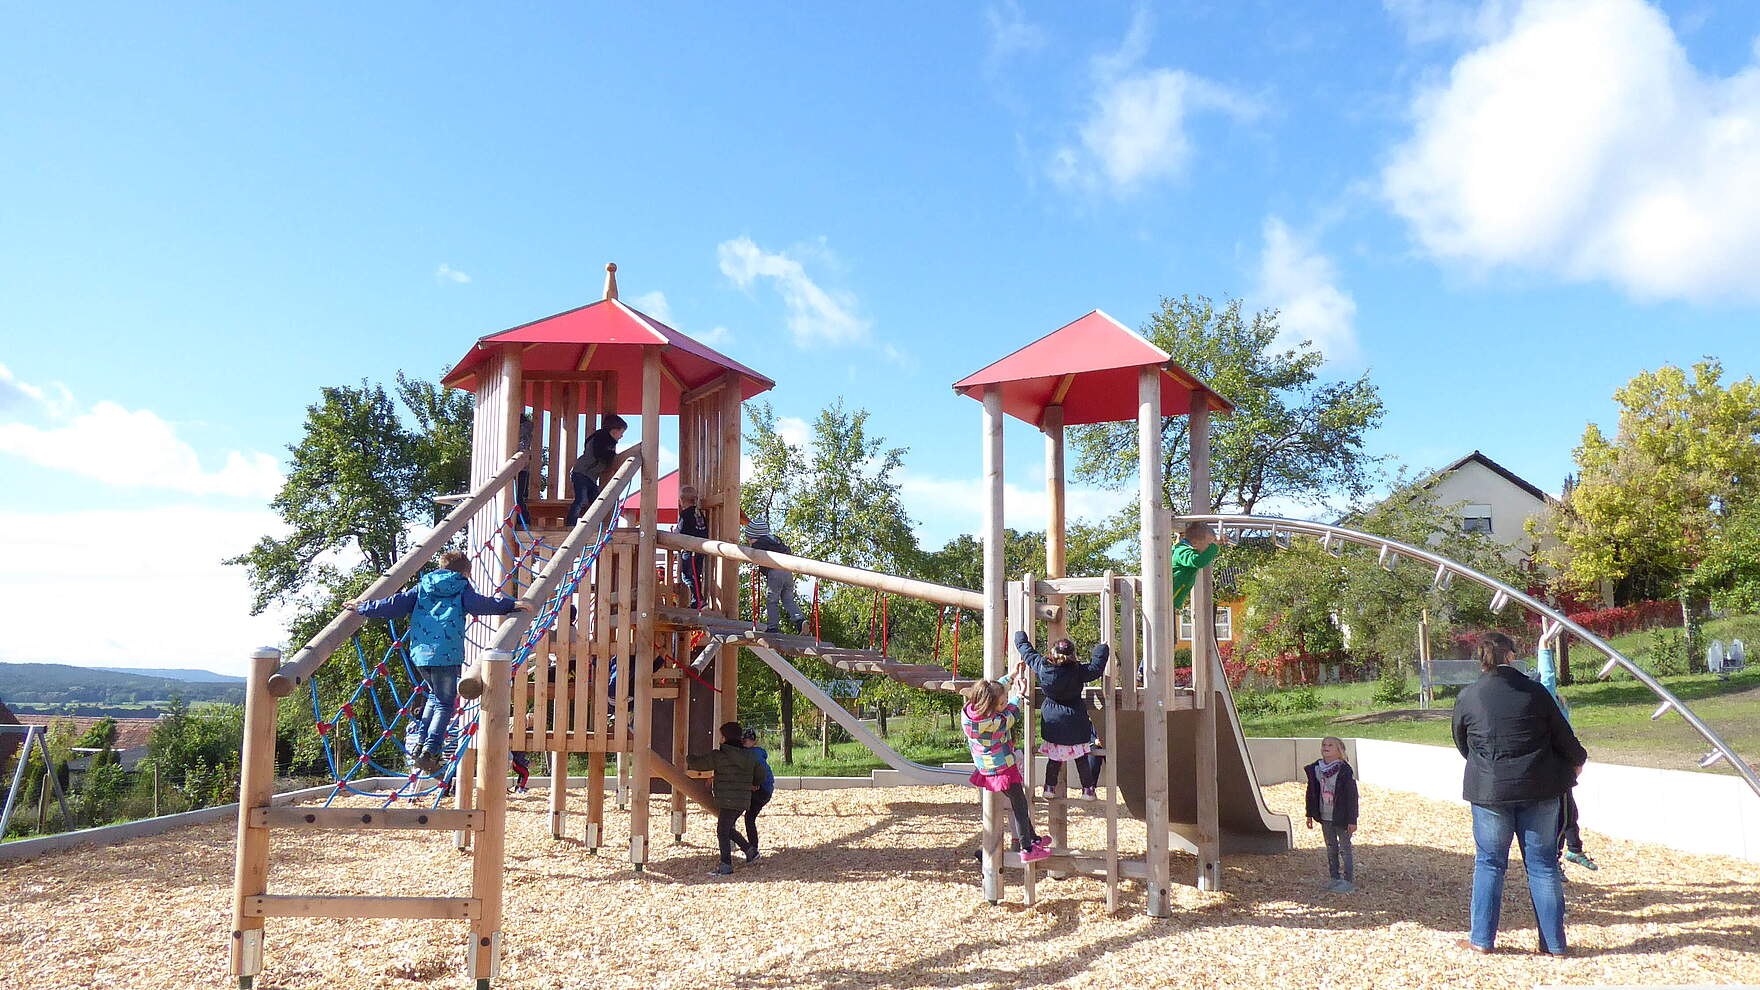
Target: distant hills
54, 688
176, 674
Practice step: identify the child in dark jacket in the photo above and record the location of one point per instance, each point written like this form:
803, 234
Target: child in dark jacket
766, 785
779, 594
588, 472
738, 773
1064, 725
1332, 801
437, 608
692, 521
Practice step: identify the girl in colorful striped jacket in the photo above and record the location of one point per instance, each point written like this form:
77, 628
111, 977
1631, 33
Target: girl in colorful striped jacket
992, 710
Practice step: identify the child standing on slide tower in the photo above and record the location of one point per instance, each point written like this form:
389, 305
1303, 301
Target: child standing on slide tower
1064, 724
1198, 545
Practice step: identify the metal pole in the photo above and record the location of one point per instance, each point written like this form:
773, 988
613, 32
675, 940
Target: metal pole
54, 778
24, 755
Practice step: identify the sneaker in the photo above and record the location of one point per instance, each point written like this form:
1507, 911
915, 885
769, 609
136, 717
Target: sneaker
1345, 887
1047, 792
722, 870
1334, 885
752, 854
1582, 860
427, 762
1089, 794
1040, 850
773, 630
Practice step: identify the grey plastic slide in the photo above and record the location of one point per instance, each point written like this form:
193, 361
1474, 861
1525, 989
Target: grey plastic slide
917, 772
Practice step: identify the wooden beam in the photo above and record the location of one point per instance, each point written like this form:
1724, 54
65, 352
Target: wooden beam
567, 376
1157, 644
703, 391
437, 819
443, 908
1063, 385
489, 855
587, 357
995, 620
256, 786
640, 674
1206, 659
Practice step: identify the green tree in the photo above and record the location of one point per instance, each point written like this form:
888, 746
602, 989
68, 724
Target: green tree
1668, 493
1292, 437
1306, 600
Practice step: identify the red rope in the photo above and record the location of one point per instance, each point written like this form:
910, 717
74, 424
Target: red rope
816, 610
956, 615
940, 618
693, 675
885, 624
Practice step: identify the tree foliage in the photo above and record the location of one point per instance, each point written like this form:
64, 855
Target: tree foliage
1304, 600
1293, 437
1671, 491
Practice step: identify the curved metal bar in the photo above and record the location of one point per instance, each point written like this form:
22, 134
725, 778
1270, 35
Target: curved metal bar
1445, 571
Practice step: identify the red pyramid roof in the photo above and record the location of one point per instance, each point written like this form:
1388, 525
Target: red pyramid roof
1090, 368
608, 335
666, 492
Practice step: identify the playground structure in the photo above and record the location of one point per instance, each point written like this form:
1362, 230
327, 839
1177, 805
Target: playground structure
617, 661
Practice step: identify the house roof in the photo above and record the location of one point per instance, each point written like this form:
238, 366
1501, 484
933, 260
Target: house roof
1089, 367
131, 733
666, 492
1499, 469
608, 335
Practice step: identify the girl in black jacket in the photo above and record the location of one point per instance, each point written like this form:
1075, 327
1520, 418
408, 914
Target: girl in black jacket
1332, 801
1064, 725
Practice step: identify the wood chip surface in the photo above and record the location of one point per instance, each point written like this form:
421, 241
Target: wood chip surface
874, 888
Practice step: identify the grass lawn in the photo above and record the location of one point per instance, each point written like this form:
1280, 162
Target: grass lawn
1612, 717
852, 759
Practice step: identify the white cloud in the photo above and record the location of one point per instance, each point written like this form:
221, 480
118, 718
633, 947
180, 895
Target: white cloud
814, 315
1011, 34
159, 598
447, 273
1579, 140
654, 304
1135, 131
1427, 21
1301, 284
716, 337
118, 446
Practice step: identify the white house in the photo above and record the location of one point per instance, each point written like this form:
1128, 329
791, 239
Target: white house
1491, 499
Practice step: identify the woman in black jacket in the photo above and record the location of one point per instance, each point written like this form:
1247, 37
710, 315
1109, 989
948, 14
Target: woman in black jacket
1064, 726
1521, 759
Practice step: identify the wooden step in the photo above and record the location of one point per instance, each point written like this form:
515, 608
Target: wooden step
295, 906
432, 819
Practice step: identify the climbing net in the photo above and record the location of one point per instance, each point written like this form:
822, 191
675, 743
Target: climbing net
391, 751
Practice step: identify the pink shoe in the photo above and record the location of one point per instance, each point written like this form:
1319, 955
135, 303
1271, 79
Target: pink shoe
1040, 850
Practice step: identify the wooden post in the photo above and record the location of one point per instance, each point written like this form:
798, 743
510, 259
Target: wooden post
1109, 634
642, 670
1424, 698
995, 622
1020, 616
1206, 663
681, 727
464, 794
1055, 542
256, 785
726, 527
1157, 642
489, 862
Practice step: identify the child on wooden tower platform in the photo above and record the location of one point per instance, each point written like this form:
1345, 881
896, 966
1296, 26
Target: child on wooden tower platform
1064, 726
1332, 801
692, 521
779, 584
596, 462
992, 709
1198, 545
437, 607
738, 775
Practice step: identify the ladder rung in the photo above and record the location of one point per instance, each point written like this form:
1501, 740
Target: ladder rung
436, 819
294, 906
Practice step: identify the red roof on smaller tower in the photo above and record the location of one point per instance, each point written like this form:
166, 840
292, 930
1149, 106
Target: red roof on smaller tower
1090, 368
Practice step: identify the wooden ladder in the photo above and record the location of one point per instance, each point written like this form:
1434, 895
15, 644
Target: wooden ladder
253, 905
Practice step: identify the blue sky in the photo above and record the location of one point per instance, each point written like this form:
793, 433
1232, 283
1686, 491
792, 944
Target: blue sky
1502, 210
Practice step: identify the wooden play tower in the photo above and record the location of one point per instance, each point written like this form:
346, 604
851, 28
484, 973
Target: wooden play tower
616, 663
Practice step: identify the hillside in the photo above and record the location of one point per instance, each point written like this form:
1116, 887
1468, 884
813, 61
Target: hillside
177, 674
53, 685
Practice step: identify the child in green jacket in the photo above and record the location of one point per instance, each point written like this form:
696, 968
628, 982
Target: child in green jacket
738, 773
1197, 547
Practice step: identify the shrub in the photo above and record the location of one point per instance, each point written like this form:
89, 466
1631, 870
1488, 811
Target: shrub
1390, 688
1630, 618
1292, 701
1667, 653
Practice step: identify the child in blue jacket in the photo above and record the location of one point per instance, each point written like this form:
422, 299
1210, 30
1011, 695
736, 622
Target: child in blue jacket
437, 607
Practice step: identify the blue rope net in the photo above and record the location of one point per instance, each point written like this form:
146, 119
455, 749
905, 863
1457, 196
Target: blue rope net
391, 751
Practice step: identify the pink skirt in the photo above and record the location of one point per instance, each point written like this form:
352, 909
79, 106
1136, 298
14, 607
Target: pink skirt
1062, 753
999, 781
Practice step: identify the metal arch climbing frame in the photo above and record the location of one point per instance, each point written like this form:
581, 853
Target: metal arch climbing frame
1554, 622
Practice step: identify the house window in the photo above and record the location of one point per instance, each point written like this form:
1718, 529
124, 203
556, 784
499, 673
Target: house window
1224, 623
1476, 519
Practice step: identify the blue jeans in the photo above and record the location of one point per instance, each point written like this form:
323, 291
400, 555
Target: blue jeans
442, 700
586, 489
1535, 826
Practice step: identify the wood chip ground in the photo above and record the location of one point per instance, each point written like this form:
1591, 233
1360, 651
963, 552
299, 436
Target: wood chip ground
874, 888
